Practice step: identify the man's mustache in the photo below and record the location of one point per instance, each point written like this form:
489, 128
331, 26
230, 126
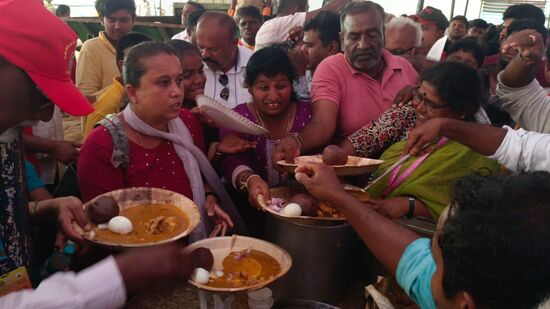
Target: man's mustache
208, 59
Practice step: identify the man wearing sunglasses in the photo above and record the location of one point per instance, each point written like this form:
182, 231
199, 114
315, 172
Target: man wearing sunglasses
225, 60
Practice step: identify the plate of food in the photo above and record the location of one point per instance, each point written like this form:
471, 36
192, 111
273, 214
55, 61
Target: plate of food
240, 264
228, 118
139, 217
295, 204
343, 164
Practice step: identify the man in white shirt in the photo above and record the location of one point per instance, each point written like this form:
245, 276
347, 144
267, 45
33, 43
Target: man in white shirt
225, 61
188, 8
31, 85
290, 14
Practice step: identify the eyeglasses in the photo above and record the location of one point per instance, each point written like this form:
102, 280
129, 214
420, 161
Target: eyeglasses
224, 80
431, 106
399, 52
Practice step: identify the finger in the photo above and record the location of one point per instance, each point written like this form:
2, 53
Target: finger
67, 229
209, 208
79, 216
227, 218
215, 231
224, 230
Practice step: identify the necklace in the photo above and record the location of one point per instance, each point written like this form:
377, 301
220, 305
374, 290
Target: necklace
287, 124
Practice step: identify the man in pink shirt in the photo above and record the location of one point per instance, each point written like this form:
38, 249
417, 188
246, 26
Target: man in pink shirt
351, 89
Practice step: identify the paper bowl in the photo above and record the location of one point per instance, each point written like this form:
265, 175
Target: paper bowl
222, 246
131, 197
354, 167
287, 192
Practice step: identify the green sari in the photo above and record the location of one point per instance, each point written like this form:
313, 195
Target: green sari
434, 179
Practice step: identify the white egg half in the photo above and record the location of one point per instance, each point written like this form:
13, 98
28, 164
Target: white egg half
120, 225
292, 210
200, 275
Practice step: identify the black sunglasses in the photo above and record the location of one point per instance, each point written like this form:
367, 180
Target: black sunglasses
224, 80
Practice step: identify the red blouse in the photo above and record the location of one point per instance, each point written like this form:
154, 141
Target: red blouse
159, 167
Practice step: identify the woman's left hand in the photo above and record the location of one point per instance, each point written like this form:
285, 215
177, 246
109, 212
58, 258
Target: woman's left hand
395, 207
220, 218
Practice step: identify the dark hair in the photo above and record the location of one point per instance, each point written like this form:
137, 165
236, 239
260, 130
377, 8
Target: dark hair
268, 61
479, 23
495, 242
528, 23
62, 10
522, 11
183, 47
108, 7
285, 5
248, 11
471, 46
128, 40
327, 25
461, 18
133, 69
457, 84
197, 5
223, 20
353, 8
194, 17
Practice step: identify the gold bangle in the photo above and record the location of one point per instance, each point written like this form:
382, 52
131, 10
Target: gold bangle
244, 184
34, 207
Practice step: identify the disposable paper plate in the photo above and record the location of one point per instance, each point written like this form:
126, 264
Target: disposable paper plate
222, 246
130, 197
228, 118
354, 167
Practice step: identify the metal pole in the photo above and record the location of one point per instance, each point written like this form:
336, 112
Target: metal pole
466, 7
420, 6
452, 8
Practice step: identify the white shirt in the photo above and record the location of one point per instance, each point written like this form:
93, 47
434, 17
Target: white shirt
98, 286
275, 31
238, 93
524, 151
184, 36
52, 130
436, 51
529, 106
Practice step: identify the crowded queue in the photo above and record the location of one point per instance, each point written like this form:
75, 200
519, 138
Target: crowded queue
467, 125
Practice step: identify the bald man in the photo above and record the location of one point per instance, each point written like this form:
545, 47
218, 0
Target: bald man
225, 61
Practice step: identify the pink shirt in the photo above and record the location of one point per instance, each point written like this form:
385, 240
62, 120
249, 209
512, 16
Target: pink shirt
159, 167
360, 98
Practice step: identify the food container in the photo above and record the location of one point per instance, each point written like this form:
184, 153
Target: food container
322, 256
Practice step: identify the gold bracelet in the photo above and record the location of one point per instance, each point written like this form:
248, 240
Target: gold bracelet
34, 207
244, 184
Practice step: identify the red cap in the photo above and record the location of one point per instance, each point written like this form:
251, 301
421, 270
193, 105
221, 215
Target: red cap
42, 45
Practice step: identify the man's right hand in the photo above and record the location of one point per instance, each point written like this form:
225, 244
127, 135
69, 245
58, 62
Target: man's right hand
288, 149
403, 96
320, 180
65, 151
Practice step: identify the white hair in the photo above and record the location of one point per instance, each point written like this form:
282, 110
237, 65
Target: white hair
402, 22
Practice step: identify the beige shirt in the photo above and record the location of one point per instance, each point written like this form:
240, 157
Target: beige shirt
96, 65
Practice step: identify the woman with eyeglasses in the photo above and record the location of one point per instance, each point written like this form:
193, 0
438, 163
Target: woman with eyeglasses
269, 77
155, 143
421, 185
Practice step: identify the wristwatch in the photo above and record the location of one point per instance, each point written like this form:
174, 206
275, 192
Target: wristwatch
410, 213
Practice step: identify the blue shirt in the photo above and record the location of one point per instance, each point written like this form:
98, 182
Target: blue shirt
33, 180
415, 270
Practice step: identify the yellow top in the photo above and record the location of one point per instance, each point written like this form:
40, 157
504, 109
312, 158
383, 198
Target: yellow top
96, 65
109, 102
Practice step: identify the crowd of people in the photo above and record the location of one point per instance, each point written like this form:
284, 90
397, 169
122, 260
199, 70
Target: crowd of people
466, 101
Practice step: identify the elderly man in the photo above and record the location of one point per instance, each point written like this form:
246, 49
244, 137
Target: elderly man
225, 59
31, 84
403, 35
188, 8
351, 89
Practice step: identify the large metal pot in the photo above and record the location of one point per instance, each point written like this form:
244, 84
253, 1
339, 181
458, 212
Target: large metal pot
323, 258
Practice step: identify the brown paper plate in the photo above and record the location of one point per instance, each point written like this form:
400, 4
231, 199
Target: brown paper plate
130, 197
354, 167
222, 246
